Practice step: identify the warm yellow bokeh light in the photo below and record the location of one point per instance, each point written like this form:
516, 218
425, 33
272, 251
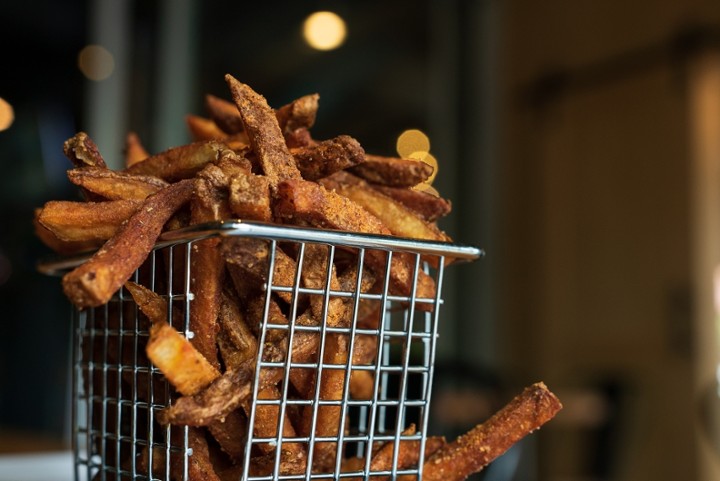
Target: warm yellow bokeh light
324, 30
96, 62
412, 140
7, 115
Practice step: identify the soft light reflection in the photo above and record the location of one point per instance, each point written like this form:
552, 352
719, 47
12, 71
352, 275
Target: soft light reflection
96, 62
7, 115
410, 141
324, 30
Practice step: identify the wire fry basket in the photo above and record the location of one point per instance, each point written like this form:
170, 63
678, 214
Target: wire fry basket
374, 427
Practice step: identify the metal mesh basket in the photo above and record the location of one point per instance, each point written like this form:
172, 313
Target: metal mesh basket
118, 393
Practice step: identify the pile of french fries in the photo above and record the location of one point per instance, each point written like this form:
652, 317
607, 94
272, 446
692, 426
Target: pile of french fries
249, 161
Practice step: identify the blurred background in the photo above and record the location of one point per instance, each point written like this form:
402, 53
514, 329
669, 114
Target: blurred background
578, 141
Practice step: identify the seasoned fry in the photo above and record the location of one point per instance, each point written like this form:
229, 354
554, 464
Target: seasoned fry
82, 151
202, 128
264, 133
182, 364
58, 245
327, 157
400, 220
250, 197
426, 205
179, 163
224, 114
112, 185
474, 450
134, 150
393, 171
298, 114
86, 221
94, 282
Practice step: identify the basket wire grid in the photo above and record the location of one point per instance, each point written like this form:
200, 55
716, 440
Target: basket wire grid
117, 392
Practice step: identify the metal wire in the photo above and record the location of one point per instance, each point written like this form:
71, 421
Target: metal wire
117, 392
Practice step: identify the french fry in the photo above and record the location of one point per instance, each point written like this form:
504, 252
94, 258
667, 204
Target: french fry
472, 451
82, 151
250, 197
224, 114
72, 221
134, 150
58, 245
112, 185
264, 133
426, 205
324, 158
393, 171
202, 128
94, 282
400, 220
179, 163
298, 114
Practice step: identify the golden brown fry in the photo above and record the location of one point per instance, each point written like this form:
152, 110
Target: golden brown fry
298, 114
150, 303
215, 401
58, 245
113, 185
250, 197
400, 220
82, 151
186, 369
134, 150
393, 171
327, 157
86, 221
94, 282
202, 128
408, 454
328, 416
305, 201
179, 163
428, 206
474, 450
264, 133
248, 261
242, 342
224, 114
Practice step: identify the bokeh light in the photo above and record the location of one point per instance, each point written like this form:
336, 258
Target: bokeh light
411, 141
7, 115
96, 62
324, 30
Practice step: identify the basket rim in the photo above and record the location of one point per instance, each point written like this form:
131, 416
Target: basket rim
56, 265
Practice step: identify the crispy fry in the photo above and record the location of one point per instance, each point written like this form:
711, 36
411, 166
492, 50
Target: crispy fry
408, 454
224, 114
82, 151
186, 369
113, 185
94, 282
58, 245
426, 205
250, 197
202, 128
134, 150
328, 416
264, 133
86, 221
298, 114
474, 450
400, 220
327, 157
393, 171
179, 163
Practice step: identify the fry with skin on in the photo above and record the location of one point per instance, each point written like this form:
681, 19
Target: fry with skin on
327, 157
264, 133
179, 163
82, 151
86, 221
393, 171
298, 114
94, 282
471, 452
113, 185
400, 220
58, 245
202, 128
250, 197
